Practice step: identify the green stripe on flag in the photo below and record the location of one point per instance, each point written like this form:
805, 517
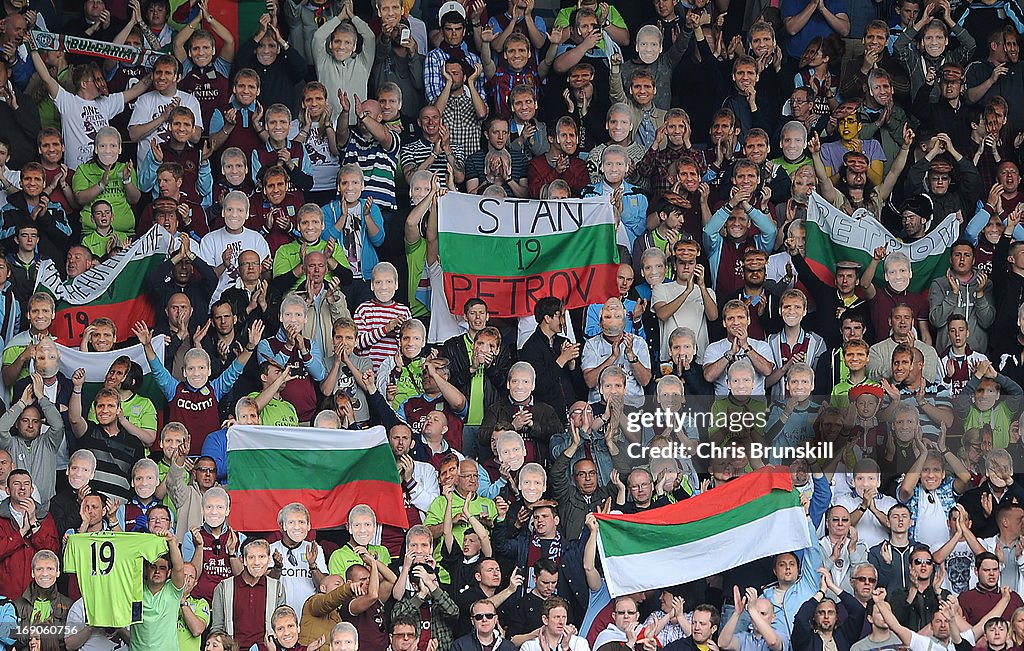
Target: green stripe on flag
311, 469
621, 538
518, 256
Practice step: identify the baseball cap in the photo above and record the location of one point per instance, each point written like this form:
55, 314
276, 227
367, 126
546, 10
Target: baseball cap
450, 6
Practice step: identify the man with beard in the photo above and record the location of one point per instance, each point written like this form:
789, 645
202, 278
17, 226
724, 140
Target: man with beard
818, 625
760, 296
21, 433
965, 291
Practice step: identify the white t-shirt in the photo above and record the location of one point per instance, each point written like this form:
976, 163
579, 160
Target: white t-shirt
296, 577
324, 162
576, 643
213, 245
150, 106
97, 641
597, 349
920, 642
81, 120
689, 315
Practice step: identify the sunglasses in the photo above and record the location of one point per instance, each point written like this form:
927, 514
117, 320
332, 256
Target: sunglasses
482, 616
922, 561
866, 579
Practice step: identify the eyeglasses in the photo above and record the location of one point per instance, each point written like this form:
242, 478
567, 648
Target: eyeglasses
205, 470
482, 616
404, 636
840, 519
625, 612
467, 475
579, 412
922, 561
866, 579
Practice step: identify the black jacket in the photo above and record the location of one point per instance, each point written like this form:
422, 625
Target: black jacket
845, 634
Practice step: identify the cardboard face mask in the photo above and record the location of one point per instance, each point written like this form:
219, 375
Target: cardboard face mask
898, 276
531, 486
513, 454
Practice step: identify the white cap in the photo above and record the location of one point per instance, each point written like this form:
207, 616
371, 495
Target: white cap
451, 5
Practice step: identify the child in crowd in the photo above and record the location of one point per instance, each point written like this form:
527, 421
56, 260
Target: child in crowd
379, 319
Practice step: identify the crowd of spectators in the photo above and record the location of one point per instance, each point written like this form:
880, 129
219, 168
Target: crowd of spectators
298, 169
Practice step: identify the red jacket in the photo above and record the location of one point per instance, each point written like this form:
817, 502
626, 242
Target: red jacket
16, 552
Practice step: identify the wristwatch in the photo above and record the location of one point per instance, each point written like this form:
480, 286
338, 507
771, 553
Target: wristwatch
364, 115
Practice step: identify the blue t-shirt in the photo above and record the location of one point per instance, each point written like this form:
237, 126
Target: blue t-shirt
816, 26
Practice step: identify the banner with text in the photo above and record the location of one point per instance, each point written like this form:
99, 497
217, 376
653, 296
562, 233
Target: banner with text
833, 236
125, 54
513, 252
115, 289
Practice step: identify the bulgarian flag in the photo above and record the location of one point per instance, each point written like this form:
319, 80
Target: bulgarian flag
833, 236
513, 252
327, 470
96, 366
748, 518
115, 289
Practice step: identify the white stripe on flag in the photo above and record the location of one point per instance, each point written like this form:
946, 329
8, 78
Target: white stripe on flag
865, 233
259, 437
96, 365
682, 563
468, 214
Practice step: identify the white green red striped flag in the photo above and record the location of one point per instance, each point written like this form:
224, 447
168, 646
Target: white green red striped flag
115, 289
832, 236
513, 252
327, 470
751, 517
96, 366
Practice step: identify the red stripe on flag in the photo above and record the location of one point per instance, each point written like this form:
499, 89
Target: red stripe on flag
69, 323
821, 271
723, 498
256, 510
514, 296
